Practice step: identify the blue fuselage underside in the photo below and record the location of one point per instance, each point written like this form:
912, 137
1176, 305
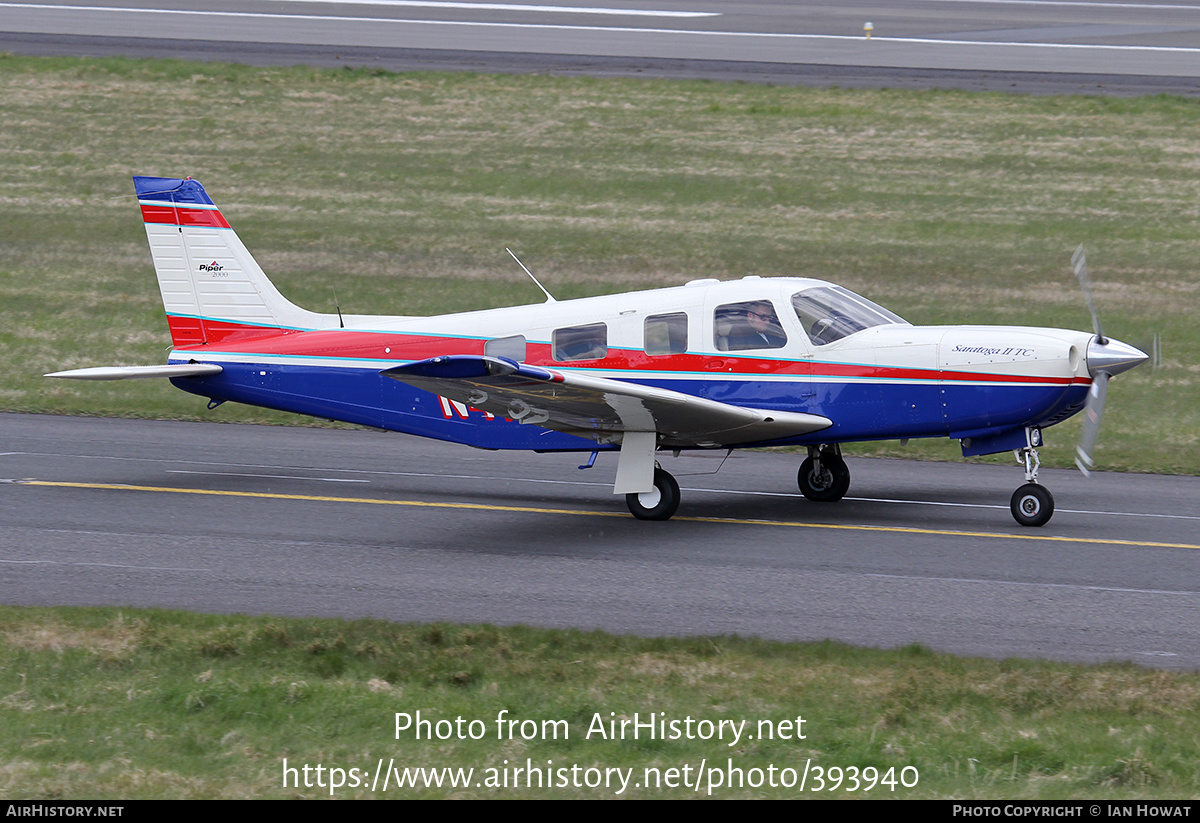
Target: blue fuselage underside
867, 410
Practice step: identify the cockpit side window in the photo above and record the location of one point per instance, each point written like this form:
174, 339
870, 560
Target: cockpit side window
666, 334
749, 325
829, 313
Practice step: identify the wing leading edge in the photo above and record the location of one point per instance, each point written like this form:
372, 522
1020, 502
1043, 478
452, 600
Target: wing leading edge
604, 410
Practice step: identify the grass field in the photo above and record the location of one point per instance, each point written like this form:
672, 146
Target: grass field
399, 192
124, 704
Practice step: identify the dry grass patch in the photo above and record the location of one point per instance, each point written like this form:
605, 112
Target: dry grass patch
118, 639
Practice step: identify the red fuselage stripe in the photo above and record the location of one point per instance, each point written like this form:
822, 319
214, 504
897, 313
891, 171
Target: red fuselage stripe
336, 344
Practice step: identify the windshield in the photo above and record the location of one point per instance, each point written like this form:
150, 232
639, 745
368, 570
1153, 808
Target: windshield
829, 313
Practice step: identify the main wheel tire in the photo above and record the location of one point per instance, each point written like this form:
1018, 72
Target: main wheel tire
658, 504
1032, 505
828, 483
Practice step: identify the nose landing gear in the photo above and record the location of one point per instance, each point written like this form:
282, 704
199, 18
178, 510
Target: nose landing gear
1031, 505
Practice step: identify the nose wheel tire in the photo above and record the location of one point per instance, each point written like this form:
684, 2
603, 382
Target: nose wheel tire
1032, 505
658, 504
826, 482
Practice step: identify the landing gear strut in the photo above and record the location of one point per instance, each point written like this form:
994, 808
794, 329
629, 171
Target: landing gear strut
1031, 505
659, 503
823, 476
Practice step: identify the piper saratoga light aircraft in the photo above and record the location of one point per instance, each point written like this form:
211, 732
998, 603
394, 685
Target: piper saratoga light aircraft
706, 365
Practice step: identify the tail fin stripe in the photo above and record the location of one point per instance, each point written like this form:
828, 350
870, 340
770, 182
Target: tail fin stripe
180, 216
150, 201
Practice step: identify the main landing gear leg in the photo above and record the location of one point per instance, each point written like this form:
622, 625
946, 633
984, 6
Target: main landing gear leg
823, 476
650, 493
1032, 504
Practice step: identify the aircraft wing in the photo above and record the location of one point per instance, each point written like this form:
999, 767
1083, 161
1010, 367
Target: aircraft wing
135, 372
598, 407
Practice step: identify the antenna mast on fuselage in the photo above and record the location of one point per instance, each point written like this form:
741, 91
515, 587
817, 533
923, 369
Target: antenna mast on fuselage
549, 296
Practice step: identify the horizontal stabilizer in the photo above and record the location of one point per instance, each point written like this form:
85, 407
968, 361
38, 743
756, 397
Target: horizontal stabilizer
137, 372
598, 407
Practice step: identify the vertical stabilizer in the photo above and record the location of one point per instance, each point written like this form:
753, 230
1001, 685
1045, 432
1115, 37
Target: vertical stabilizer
211, 286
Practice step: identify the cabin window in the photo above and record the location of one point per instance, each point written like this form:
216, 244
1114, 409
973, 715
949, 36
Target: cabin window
666, 334
750, 325
829, 313
588, 342
511, 347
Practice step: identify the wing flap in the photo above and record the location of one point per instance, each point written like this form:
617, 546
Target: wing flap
598, 407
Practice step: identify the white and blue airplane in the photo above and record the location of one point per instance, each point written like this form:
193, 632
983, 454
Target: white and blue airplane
754, 362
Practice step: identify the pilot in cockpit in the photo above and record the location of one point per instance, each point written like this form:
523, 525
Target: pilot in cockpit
761, 329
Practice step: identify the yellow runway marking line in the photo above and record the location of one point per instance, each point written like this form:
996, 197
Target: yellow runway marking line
584, 513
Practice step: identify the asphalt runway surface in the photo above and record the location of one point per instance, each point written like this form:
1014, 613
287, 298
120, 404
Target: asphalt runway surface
1040, 46
293, 521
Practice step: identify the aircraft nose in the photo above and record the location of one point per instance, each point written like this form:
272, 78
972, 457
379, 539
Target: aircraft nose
1112, 356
